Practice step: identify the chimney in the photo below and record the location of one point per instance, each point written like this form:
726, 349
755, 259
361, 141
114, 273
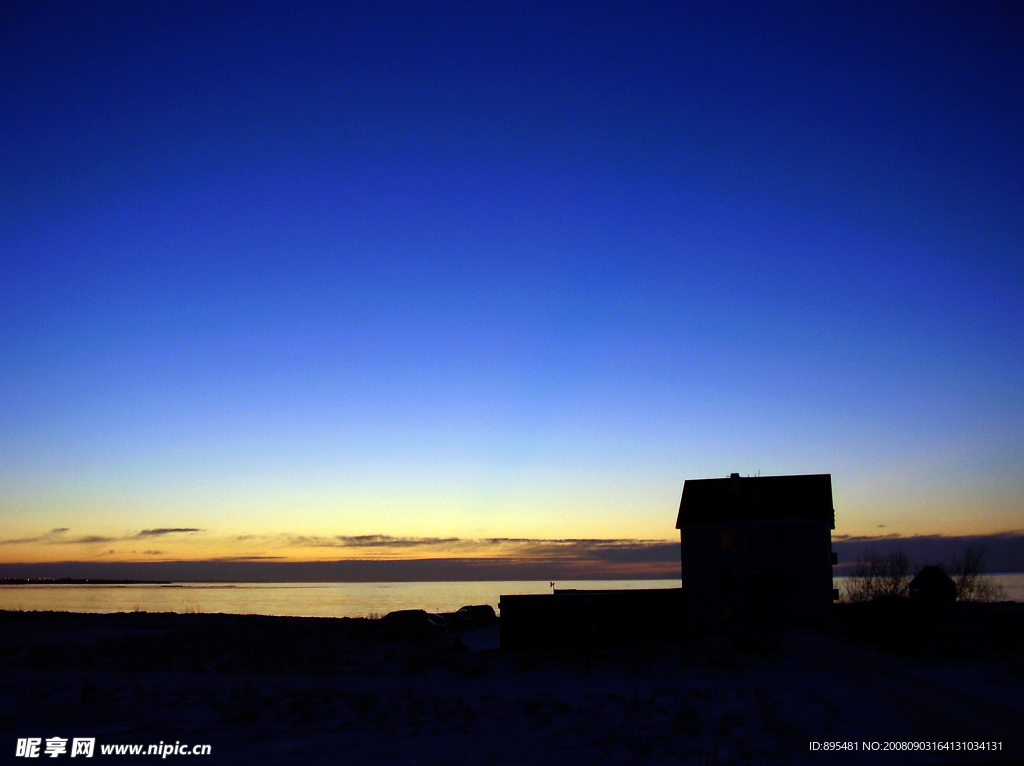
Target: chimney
734, 484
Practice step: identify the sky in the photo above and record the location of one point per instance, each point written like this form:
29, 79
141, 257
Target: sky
314, 281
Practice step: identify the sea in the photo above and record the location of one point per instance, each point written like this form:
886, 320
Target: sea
320, 599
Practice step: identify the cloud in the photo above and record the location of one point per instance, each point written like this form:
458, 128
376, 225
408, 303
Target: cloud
370, 541
596, 550
165, 531
392, 558
500, 559
1004, 551
376, 541
53, 536
88, 539
58, 537
579, 549
622, 549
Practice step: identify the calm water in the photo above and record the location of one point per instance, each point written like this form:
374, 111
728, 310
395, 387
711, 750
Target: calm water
317, 599
295, 599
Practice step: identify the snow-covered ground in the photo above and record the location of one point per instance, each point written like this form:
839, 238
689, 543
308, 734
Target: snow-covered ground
424, 704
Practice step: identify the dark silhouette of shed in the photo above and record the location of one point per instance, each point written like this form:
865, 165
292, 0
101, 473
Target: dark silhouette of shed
932, 584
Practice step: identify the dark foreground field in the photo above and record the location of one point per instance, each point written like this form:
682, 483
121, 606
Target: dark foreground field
282, 690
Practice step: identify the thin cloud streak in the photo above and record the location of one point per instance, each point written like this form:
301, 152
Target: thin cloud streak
165, 531
370, 541
50, 537
57, 537
538, 545
508, 549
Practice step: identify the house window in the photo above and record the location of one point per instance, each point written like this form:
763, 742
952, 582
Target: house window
726, 539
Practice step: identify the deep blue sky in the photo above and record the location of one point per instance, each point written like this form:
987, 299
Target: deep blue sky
519, 269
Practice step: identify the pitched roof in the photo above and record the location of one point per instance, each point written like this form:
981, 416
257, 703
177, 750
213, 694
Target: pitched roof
932, 577
756, 498
933, 584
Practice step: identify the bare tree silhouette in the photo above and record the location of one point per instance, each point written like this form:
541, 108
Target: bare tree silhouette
971, 585
880, 574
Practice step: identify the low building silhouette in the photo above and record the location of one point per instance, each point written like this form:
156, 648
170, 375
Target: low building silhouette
932, 584
757, 551
578, 619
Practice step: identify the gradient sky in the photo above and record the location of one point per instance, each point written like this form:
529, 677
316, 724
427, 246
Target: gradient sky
273, 273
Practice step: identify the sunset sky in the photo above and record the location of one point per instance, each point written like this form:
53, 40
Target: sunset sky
314, 281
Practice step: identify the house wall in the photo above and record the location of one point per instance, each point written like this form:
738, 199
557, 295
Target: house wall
753, 575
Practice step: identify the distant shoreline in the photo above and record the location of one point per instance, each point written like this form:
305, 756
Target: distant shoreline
76, 581
99, 581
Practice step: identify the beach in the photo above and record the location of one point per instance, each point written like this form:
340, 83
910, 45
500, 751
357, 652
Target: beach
279, 689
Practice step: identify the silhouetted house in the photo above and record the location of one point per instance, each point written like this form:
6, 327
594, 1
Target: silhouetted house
932, 584
756, 551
